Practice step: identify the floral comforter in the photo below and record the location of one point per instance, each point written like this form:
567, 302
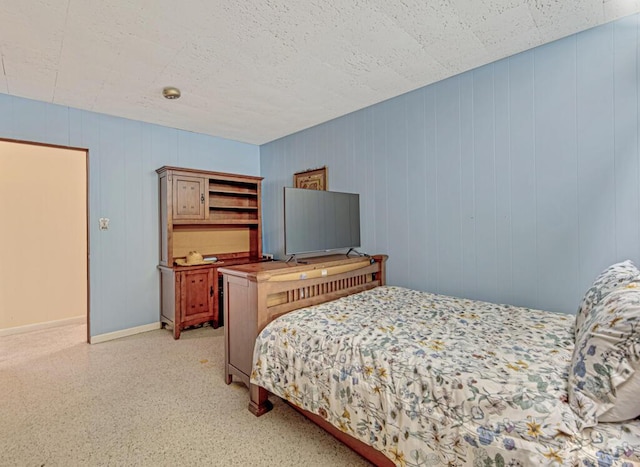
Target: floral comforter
435, 380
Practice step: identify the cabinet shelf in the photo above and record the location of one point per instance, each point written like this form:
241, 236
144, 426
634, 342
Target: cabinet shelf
218, 191
232, 215
234, 222
235, 208
230, 202
193, 225
216, 214
232, 187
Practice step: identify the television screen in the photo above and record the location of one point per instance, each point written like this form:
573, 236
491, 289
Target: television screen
316, 220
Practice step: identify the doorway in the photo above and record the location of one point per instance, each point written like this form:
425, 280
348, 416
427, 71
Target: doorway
44, 270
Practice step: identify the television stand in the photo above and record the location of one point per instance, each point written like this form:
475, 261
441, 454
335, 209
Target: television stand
295, 260
356, 252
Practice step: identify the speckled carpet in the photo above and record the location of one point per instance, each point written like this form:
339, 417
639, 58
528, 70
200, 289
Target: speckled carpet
144, 400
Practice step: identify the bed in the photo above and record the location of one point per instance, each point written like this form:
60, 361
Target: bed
411, 378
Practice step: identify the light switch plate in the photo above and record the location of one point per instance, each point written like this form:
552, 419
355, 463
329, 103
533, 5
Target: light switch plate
104, 223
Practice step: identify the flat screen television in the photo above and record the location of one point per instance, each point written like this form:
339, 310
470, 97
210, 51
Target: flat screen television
316, 220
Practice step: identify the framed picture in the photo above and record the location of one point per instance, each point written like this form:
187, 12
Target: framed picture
315, 179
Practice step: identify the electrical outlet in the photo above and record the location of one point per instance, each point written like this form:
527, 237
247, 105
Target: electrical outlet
104, 223
267, 256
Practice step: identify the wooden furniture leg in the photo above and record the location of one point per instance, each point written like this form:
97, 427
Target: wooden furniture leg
227, 376
259, 403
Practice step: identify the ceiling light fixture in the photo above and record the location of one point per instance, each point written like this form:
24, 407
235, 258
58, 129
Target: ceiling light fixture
170, 92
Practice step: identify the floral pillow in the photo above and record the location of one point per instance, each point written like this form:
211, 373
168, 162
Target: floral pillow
614, 276
605, 359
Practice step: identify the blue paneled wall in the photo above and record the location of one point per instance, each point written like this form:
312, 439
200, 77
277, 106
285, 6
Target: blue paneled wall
516, 182
123, 186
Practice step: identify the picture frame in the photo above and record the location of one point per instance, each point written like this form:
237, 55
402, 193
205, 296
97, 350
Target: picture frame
314, 179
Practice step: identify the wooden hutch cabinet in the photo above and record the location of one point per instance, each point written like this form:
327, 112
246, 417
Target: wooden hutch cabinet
219, 216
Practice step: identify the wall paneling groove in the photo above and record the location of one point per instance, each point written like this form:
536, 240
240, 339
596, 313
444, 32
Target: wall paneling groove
516, 182
123, 186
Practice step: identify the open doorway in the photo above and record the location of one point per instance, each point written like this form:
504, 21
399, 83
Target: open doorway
44, 267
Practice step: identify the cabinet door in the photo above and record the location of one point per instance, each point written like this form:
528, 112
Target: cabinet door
188, 197
240, 325
197, 294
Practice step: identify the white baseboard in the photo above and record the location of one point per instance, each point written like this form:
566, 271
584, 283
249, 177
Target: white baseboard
124, 333
45, 325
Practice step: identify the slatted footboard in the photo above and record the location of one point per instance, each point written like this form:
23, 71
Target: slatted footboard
282, 293
256, 294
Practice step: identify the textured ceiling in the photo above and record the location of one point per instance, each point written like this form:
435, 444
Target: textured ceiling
257, 70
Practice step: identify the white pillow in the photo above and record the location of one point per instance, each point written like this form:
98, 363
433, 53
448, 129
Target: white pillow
627, 399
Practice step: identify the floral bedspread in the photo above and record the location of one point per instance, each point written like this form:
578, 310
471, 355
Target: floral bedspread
435, 380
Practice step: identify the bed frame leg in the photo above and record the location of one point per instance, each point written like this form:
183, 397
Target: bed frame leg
259, 404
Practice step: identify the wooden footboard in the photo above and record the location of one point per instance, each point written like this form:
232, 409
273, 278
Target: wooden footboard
256, 294
316, 283
366, 451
